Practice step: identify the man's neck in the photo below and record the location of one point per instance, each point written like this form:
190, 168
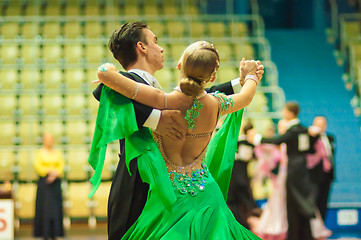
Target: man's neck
141, 66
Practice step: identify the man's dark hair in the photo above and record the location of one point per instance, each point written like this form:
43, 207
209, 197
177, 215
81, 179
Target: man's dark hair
123, 42
247, 127
293, 107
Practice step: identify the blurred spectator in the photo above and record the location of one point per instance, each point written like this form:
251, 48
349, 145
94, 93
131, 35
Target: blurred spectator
49, 164
322, 172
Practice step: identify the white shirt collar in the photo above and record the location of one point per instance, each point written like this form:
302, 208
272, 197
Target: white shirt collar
293, 122
150, 79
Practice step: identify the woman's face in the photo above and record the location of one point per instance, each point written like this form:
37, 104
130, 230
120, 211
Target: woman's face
48, 140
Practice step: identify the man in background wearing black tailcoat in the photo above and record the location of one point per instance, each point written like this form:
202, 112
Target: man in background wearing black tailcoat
299, 188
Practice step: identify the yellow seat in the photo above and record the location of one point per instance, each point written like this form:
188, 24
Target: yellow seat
72, 9
52, 53
54, 127
76, 131
226, 74
29, 104
25, 200
51, 30
197, 29
110, 163
94, 53
8, 133
77, 164
10, 30
352, 29
8, 105
192, 10
166, 79
6, 165
93, 105
30, 53
93, 29
9, 53
92, 10
75, 104
52, 78
217, 29
73, 53
225, 51
157, 27
238, 29
177, 50
74, 78
9, 78
77, 202
72, 30
244, 50
13, 9
151, 11
30, 78
52, 11
26, 160
101, 199
176, 29
30, 30
29, 132
131, 10
170, 10
259, 103
52, 104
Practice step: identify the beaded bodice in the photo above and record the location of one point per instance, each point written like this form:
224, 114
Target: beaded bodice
189, 179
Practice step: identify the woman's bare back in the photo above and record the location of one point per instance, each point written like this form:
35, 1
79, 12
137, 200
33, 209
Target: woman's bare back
184, 153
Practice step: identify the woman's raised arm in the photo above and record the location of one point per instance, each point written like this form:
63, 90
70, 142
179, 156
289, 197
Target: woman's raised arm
142, 93
245, 96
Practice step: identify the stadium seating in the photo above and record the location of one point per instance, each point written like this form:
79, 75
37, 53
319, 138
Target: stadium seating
48, 57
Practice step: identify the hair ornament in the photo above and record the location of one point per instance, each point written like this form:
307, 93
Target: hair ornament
204, 43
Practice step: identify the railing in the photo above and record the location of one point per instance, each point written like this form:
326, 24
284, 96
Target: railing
334, 20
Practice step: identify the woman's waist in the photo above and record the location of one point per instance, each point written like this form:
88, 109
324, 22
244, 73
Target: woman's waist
191, 183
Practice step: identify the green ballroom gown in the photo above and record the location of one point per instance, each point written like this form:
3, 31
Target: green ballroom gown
185, 207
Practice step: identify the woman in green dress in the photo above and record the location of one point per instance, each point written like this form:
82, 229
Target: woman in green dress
188, 179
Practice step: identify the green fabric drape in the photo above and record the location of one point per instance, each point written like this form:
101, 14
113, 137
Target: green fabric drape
116, 120
221, 151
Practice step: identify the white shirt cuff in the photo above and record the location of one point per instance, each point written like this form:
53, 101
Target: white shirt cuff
257, 139
236, 85
153, 119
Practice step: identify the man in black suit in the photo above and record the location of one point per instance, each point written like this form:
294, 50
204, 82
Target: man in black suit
321, 175
135, 47
300, 192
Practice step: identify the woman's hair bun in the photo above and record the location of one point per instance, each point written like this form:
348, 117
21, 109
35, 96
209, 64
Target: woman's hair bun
190, 86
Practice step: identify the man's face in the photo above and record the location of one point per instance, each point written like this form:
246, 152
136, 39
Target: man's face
154, 54
321, 123
288, 115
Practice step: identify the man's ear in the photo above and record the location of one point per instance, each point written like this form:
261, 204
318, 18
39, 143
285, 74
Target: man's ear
141, 47
179, 66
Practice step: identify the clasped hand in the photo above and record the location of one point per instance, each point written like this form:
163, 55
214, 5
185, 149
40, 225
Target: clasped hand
250, 67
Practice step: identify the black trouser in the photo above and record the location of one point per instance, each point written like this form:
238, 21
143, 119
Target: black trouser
323, 190
127, 198
298, 225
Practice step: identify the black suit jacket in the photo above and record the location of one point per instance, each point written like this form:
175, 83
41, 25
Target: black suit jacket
128, 194
299, 185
